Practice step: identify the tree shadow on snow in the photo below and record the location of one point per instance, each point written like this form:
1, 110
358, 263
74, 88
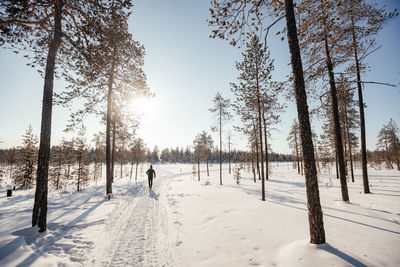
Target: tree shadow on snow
47, 243
339, 218
342, 255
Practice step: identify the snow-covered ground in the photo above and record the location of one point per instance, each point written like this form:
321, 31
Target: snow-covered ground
183, 222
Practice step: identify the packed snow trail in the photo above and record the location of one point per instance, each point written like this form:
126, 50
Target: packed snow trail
136, 229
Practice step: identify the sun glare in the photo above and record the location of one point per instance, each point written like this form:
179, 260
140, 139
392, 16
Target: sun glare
141, 105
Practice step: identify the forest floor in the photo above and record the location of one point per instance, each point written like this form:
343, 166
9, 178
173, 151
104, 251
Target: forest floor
186, 222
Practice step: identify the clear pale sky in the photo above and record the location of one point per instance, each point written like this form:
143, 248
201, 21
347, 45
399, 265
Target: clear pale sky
185, 69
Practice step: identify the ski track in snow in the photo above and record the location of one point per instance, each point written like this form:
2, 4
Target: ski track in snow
136, 229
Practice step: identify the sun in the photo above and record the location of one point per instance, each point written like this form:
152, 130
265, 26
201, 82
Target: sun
141, 105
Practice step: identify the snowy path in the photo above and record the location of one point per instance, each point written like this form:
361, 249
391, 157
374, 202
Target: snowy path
136, 229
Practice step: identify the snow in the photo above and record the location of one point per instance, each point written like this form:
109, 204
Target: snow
184, 222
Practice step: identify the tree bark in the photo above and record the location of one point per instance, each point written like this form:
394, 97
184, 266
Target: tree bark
39, 213
335, 111
315, 217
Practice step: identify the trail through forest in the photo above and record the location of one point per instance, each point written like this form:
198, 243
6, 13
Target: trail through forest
136, 231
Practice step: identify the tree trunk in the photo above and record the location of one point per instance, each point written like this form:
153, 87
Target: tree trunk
389, 160
349, 143
336, 164
345, 154
301, 167
315, 217
198, 169
121, 164
58, 180
108, 126
11, 166
79, 170
335, 111
252, 164
137, 164
58, 173
266, 143
229, 153
113, 151
208, 172
130, 175
266, 156
362, 116
257, 152
95, 163
220, 145
39, 213
68, 170
261, 143
396, 151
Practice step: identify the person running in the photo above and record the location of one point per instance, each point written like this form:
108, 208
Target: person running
150, 172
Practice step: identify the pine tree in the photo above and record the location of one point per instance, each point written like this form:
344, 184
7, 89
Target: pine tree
58, 160
25, 175
98, 140
111, 74
221, 110
53, 30
82, 170
317, 34
293, 139
232, 19
202, 144
362, 21
349, 119
69, 157
138, 153
388, 140
154, 155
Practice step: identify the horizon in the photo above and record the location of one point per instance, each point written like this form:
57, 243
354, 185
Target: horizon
185, 69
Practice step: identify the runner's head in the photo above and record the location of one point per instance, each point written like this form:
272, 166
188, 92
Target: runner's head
151, 166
